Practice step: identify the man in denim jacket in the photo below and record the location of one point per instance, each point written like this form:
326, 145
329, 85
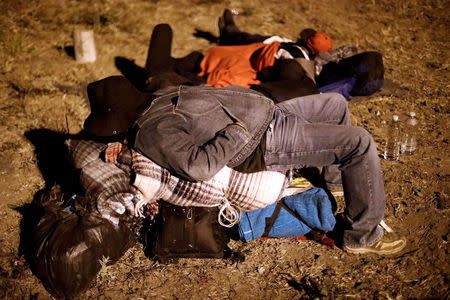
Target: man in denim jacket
195, 131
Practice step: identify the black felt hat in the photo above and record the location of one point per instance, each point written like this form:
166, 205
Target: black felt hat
115, 105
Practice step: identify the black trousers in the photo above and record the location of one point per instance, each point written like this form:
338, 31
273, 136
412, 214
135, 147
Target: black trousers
162, 69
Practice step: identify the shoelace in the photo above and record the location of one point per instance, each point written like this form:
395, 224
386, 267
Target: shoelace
387, 228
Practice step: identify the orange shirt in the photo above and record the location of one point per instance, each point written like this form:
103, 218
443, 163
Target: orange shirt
232, 65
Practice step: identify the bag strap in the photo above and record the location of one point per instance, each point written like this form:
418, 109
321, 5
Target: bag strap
271, 220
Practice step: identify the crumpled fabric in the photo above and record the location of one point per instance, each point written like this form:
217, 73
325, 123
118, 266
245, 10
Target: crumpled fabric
104, 183
234, 65
335, 55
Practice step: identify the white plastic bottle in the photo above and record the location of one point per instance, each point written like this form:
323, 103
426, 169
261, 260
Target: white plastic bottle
392, 140
409, 138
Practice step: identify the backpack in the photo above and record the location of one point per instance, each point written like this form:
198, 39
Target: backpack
186, 232
343, 87
366, 68
368, 71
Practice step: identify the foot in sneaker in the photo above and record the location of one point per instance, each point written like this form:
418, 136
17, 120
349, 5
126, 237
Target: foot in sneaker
228, 18
337, 193
335, 189
226, 24
390, 243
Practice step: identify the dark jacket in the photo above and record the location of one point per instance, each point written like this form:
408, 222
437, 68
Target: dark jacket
193, 131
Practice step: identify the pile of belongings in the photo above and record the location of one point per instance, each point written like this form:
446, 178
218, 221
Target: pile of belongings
73, 237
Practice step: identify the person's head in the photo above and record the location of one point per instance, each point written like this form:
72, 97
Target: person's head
319, 41
306, 33
115, 104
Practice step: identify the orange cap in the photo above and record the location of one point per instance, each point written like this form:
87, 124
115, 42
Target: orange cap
320, 42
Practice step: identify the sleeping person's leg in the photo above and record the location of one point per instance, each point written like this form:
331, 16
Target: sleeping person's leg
230, 34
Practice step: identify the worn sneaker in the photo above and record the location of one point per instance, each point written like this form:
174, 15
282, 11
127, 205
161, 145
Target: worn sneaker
390, 243
337, 193
335, 189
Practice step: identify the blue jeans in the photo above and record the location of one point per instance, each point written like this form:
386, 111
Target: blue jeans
315, 131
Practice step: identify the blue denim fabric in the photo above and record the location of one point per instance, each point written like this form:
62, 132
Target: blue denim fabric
343, 87
306, 132
313, 207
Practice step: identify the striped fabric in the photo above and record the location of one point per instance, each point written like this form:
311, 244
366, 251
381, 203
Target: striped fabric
246, 191
108, 185
104, 183
112, 152
82, 152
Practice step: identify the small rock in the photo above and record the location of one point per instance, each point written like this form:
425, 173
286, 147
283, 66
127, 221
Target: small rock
240, 266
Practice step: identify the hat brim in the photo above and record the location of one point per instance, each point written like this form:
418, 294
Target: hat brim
107, 124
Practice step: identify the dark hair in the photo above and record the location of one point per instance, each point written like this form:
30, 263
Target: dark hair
307, 33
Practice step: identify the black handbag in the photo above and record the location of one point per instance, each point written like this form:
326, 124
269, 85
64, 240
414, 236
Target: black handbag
188, 232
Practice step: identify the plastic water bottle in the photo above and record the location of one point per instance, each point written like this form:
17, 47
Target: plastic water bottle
392, 140
409, 139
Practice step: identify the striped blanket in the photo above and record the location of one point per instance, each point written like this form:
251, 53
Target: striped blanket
107, 182
247, 191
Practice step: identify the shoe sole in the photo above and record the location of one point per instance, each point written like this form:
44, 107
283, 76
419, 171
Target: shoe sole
337, 193
380, 252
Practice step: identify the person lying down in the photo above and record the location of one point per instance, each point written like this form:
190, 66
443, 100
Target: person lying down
121, 182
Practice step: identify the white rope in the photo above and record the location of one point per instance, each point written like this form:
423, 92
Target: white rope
229, 214
139, 208
140, 204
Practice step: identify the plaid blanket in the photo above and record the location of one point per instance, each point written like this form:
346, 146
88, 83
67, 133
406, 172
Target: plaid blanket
247, 191
107, 182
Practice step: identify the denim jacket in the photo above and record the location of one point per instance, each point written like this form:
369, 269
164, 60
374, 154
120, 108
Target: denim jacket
193, 132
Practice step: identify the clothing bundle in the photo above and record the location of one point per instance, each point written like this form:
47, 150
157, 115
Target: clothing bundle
104, 183
247, 191
109, 183
308, 210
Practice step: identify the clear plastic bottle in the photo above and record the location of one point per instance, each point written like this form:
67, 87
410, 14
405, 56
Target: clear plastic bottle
409, 138
392, 140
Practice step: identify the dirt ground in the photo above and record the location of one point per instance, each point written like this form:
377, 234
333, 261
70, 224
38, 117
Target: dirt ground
40, 90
